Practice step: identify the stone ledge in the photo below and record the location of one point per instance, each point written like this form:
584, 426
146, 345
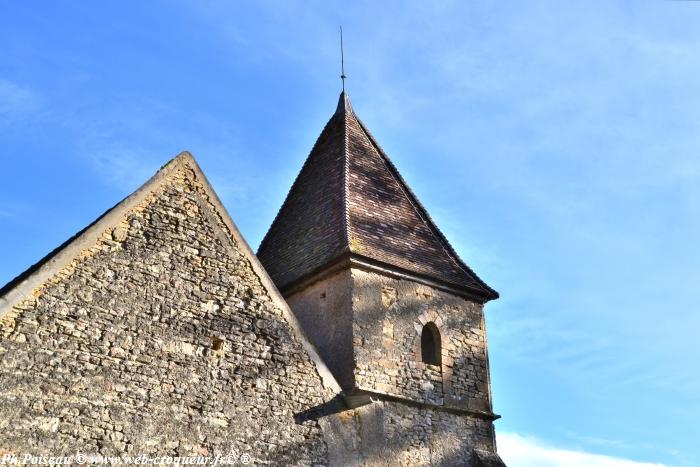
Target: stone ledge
358, 397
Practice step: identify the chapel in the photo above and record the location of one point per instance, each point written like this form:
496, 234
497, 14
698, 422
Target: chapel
354, 337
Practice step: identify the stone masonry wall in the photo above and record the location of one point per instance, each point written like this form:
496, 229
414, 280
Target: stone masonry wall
324, 311
158, 339
425, 436
392, 434
389, 315
384, 323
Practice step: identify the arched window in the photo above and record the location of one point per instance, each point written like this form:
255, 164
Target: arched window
430, 345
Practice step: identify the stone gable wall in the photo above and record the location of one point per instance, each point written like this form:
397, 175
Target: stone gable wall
158, 339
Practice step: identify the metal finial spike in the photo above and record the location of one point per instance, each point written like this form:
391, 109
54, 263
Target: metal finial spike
342, 60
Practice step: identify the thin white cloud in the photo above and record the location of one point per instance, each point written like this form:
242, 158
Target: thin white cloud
14, 209
16, 99
523, 451
120, 166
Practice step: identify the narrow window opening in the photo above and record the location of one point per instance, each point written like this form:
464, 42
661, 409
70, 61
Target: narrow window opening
431, 346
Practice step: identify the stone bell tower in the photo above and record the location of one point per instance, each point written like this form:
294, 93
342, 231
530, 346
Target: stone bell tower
394, 312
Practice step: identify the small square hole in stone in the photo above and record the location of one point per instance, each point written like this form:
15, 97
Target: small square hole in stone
217, 344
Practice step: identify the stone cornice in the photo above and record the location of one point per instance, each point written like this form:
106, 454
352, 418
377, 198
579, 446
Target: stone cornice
352, 260
358, 397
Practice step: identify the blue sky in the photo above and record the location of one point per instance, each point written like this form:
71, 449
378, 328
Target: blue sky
555, 143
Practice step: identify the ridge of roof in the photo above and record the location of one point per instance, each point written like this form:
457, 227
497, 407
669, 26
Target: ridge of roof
344, 100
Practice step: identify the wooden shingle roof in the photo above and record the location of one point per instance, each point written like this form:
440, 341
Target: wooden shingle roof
349, 200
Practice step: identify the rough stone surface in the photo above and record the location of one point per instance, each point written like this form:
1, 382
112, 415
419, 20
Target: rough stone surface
393, 433
387, 342
438, 418
159, 338
323, 310
375, 322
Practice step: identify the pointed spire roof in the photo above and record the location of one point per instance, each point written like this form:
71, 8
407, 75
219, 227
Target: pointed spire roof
350, 202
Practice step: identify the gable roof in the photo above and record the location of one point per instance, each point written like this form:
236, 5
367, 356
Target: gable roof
349, 200
35, 276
